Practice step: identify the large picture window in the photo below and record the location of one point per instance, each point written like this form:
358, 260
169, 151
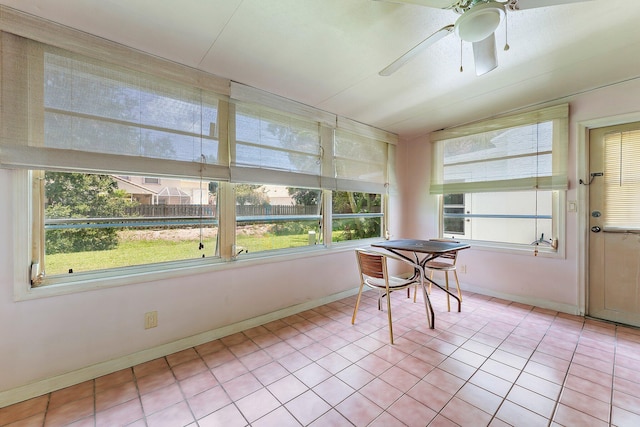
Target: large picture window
502, 181
132, 170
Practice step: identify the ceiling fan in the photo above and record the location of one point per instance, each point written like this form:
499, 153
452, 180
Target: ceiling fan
477, 24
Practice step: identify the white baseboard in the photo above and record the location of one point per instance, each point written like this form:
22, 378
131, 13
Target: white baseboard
29, 391
537, 302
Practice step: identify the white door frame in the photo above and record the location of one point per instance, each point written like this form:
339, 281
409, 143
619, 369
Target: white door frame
582, 172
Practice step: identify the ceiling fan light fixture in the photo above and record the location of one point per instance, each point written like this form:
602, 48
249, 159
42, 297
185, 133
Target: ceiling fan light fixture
479, 22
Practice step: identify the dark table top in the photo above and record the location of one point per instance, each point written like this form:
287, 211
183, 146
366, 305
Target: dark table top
425, 246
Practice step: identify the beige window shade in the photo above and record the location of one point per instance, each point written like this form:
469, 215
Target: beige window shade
360, 163
361, 157
70, 108
275, 148
622, 180
523, 152
71, 101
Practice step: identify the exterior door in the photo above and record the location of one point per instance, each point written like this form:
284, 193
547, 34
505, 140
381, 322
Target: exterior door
614, 239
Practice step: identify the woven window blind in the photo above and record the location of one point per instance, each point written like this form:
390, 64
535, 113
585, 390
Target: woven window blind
361, 157
89, 104
80, 113
622, 179
275, 148
515, 153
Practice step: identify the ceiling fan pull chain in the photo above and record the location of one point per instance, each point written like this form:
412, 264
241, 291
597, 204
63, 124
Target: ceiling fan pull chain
461, 69
506, 32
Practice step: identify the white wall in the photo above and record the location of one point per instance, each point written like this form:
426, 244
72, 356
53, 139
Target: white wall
48, 337
546, 282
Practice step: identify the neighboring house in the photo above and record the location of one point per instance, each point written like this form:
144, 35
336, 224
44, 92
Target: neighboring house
278, 195
139, 193
164, 191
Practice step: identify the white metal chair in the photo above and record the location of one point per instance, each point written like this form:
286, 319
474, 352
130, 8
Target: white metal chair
374, 273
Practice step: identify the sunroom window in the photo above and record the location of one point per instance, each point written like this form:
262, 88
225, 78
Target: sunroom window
501, 182
356, 215
98, 221
361, 165
132, 169
270, 217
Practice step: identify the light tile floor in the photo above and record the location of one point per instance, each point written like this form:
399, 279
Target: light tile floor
496, 363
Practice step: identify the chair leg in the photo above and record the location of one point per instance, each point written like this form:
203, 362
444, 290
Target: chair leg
389, 316
415, 292
446, 281
455, 274
355, 309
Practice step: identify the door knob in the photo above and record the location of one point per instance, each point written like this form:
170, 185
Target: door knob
596, 229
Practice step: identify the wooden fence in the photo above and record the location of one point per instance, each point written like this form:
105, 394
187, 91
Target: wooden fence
210, 210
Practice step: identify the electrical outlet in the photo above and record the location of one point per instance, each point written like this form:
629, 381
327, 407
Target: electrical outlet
150, 319
463, 269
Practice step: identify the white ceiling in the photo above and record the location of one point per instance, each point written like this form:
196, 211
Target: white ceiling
327, 53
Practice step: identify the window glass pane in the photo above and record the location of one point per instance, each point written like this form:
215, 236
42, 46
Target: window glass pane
356, 215
454, 199
272, 217
97, 222
454, 214
622, 179
509, 217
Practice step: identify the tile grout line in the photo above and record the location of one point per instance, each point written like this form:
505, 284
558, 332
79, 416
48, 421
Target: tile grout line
513, 383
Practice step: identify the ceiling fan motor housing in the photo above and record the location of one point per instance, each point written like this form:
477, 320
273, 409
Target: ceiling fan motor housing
479, 22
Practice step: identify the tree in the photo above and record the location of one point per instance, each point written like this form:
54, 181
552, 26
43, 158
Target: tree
352, 202
79, 195
250, 194
304, 196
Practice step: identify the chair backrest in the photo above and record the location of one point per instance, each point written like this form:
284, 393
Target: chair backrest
371, 264
453, 256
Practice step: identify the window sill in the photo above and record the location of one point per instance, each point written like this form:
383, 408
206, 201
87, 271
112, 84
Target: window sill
514, 249
82, 282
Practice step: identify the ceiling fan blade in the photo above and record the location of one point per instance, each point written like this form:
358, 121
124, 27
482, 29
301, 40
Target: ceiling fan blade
395, 65
485, 55
531, 4
438, 4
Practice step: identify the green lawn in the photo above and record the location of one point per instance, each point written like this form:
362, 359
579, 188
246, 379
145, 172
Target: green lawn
138, 252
